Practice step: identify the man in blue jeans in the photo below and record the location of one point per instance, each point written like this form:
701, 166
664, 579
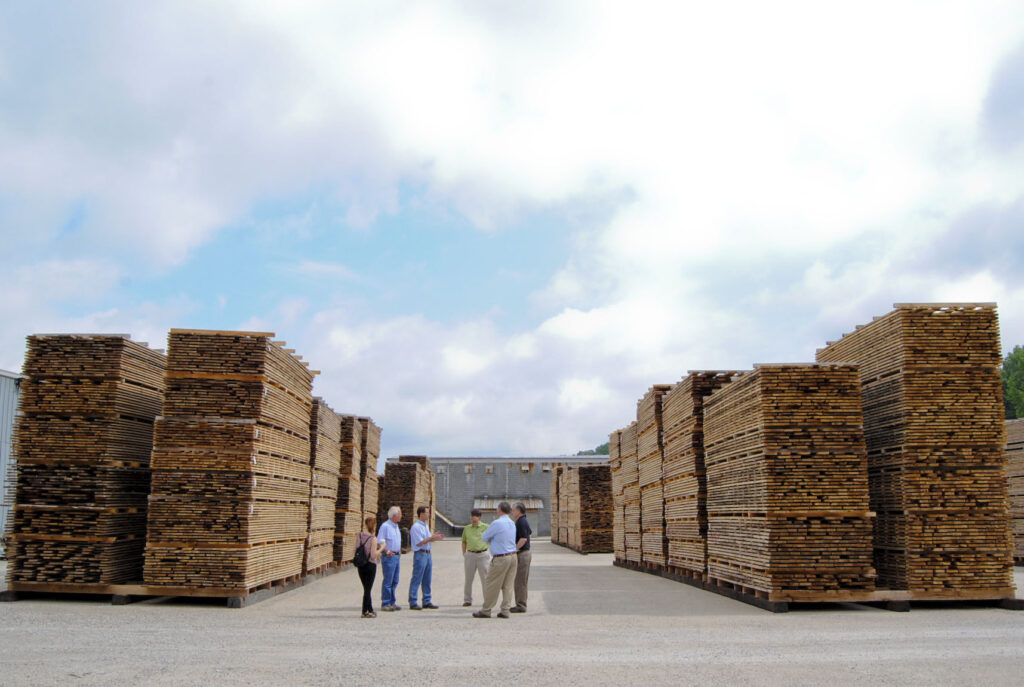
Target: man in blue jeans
390, 561
422, 563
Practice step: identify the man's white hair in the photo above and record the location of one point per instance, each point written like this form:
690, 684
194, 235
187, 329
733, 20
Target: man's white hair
393, 511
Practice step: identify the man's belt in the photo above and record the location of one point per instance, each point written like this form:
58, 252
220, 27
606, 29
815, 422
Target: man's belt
499, 555
477, 551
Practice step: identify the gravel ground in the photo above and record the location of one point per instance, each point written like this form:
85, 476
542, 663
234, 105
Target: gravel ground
589, 623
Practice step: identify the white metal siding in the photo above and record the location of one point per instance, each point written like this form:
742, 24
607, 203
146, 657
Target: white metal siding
8, 407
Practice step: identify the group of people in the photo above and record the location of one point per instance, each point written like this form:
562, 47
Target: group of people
499, 553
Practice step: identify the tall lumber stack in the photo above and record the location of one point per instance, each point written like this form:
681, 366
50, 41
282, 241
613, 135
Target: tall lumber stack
588, 497
425, 491
371, 435
348, 513
618, 514
1015, 473
231, 463
563, 508
787, 481
686, 516
553, 502
935, 432
82, 452
649, 469
407, 485
325, 460
632, 534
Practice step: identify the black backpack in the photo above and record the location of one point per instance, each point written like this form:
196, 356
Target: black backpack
361, 558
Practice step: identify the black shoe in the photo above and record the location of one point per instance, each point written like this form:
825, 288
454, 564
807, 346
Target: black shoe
396, 608
481, 614
467, 604
517, 609
415, 607
431, 606
504, 615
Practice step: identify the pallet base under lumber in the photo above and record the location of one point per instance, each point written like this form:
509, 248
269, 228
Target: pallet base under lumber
779, 602
122, 594
579, 550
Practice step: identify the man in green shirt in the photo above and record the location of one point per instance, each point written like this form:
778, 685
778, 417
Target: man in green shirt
474, 554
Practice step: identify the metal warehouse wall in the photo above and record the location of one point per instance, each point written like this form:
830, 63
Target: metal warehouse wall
9, 388
460, 481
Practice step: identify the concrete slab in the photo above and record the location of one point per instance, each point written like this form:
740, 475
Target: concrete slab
589, 623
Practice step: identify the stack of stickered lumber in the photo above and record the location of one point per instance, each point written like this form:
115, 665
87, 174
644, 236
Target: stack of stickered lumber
935, 432
685, 484
370, 438
649, 471
787, 480
325, 460
632, 533
1015, 473
424, 493
588, 491
553, 502
408, 486
348, 513
82, 446
618, 515
563, 509
230, 499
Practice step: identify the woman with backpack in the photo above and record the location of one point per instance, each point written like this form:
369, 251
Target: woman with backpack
367, 554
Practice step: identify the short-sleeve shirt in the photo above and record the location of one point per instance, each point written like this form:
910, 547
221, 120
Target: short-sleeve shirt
391, 536
523, 530
417, 533
472, 535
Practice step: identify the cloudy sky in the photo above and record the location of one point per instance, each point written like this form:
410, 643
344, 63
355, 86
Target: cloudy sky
492, 225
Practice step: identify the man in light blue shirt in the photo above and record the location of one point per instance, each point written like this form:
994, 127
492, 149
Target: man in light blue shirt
422, 563
390, 561
501, 575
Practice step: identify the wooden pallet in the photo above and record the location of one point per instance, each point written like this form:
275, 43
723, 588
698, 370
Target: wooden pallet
122, 594
889, 599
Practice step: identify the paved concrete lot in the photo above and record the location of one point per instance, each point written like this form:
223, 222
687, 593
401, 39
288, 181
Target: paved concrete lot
589, 623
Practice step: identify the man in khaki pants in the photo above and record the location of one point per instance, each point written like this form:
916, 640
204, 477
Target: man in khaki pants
523, 557
474, 555
501, 575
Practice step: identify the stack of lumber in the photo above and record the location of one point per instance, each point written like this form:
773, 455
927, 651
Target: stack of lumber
649, 468
935, 432
787, 487
632, 534
1015, 473
553, 502
82, 447
408, 486
588, 497
685, 482
348, 513
370, 447
425, 491
618, 514
231, 463
563, 508
325, 461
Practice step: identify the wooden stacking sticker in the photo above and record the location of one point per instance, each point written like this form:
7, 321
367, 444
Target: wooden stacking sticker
685, 486
231, 500
1015, 473
935, 433
82, 448
787, 491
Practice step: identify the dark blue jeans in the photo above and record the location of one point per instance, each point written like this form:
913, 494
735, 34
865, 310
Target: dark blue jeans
389, 566
422, 566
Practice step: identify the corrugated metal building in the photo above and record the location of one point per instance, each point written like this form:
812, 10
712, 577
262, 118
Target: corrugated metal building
9, 389
464, 483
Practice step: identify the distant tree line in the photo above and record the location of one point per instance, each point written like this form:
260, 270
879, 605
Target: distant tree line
1013, 383
601, 450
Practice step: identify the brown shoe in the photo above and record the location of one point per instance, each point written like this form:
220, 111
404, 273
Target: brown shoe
481, 614
504, 615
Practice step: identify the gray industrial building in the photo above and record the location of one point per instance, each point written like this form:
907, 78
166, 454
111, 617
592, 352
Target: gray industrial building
464, 483
9, 390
